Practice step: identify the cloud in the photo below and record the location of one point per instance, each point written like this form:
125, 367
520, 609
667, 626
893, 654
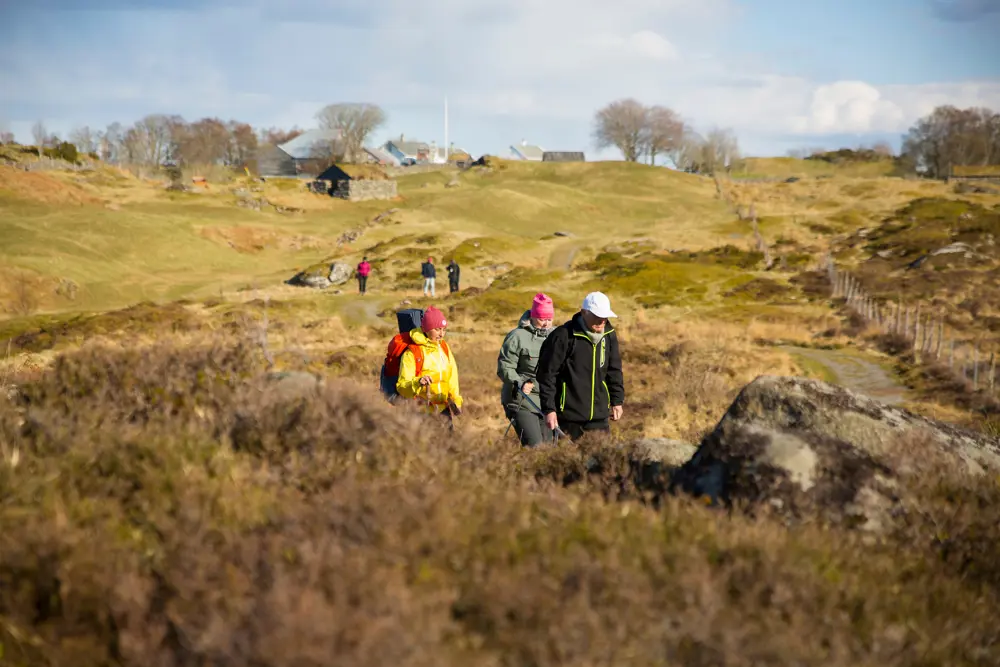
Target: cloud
525, 67
963, 10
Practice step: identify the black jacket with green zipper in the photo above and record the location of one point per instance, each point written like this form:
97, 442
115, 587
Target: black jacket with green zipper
578, 379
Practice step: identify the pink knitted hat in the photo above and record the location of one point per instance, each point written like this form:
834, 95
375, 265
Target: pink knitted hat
433, 319
541, 307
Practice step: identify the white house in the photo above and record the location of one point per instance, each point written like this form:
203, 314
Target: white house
526, 151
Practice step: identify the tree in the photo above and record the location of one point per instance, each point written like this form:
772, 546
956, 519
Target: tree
242, 144
664, 132
354, 123
112, 143
276, 135
623, 124
883, 148
151, 140
83, 139
39, 133
720, 151
203, 142
949, 137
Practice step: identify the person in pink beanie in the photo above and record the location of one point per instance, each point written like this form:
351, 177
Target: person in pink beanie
428, 373
516, 367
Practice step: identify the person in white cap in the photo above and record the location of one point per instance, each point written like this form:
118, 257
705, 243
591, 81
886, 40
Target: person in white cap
579, 371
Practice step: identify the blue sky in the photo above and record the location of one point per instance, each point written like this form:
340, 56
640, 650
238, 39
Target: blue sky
782, 74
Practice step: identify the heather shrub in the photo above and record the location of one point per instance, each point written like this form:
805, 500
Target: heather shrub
177, 505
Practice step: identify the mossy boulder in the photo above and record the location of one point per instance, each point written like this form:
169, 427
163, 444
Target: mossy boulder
322, 275
810, 450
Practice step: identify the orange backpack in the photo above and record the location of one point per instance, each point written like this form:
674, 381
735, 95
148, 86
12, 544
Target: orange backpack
399, 344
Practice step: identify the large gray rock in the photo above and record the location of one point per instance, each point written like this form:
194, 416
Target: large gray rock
806, 448
340, 273
322, 276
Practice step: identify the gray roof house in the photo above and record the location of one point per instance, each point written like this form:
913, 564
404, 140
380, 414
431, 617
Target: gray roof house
526, 151
407, 149
380, 156
306, 155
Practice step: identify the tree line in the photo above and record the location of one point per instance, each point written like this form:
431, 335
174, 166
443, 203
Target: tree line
643, 133
168, 139
945, 138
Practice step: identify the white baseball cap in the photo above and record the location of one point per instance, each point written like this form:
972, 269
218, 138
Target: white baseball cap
599, 304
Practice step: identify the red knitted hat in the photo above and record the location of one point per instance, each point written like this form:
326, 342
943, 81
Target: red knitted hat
432, 319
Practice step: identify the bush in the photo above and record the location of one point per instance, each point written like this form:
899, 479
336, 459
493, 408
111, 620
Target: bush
64, 151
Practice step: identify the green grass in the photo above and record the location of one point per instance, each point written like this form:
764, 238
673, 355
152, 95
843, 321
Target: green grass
154, 248
782, 167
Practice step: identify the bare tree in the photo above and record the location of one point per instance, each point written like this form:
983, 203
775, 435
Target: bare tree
720, 151
354, 122
276, 135
950, 137
39, 133
112, 143
883, 148
687, 153
623, 124
149, 141
83, 139
203, 142
242, 144
664, 132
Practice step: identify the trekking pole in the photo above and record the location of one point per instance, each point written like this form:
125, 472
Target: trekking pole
557, 432
510, 423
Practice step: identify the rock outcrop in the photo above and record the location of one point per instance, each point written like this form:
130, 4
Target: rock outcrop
322, 276
808, 449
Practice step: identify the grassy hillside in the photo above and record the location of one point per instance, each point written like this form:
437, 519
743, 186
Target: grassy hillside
122, 240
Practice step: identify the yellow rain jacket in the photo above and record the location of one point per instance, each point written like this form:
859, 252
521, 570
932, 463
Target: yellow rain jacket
439, 365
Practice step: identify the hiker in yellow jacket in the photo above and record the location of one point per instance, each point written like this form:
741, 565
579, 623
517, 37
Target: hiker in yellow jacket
436, 386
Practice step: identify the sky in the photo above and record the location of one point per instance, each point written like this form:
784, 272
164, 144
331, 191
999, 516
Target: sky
782, 74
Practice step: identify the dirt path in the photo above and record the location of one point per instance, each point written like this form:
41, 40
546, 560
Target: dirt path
562, 256
362, 310
854, 372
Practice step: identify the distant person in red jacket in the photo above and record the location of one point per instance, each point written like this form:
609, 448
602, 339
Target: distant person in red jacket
364, 268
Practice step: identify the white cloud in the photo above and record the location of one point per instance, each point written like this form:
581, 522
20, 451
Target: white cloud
523, 63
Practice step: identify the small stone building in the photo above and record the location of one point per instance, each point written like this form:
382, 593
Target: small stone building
563, 156
356, 182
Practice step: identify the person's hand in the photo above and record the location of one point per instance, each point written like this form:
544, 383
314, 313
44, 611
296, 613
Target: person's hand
425, 380
528, 386
551, 420
616, 412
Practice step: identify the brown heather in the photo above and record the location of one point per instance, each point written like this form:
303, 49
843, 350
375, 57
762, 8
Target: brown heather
169, 506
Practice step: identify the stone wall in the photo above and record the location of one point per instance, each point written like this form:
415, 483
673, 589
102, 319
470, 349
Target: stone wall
362, 190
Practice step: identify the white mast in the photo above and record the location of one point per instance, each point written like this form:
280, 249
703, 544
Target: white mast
446, 145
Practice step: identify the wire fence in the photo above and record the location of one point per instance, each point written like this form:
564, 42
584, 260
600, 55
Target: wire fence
925, 331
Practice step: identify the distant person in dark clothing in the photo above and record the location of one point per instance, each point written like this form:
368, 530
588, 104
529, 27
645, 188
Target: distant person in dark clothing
454, 272
429, 273
364, 268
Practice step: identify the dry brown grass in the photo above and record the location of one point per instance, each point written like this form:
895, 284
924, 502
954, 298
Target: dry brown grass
43, 187
169, 506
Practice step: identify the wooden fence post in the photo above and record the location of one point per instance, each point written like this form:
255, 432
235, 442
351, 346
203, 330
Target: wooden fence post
940, 337
993, 372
